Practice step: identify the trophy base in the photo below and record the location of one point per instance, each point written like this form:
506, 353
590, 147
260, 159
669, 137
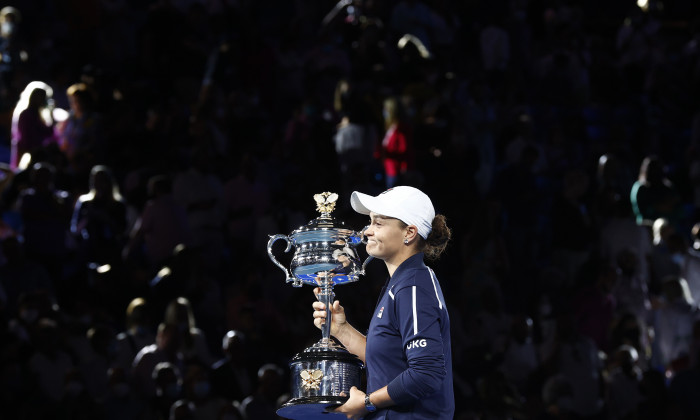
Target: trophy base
311, 408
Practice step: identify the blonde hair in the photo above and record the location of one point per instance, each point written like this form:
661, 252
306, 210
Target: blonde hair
24, 100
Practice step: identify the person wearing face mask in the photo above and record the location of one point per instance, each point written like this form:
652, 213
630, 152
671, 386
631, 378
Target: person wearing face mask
407, 350
197, 390
193, 343
120, 402
168, 390
76, 402
137, 335
166, 349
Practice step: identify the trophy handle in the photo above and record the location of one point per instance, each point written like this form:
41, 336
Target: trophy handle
369, 257
364, 264
287, 273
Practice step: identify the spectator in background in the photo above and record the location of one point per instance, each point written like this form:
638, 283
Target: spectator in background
684, 384
49, 365
20, 275
232, 377
630, 291
247, 199
263, 402
46, 213
199, 191
12, 53
691, 264
572, 225
96, 363
613, 182
653, 195
517, 191
575, 357
673, 326
628, 330
623, 384
162, 225
593, 304
32, 121
557, 399
231, 411
165, 349
355, 136
99, 219
197, 390
396, 150
167, 379
81, 136
666, 256
121, 402
77, 402
416, 18
193, 342
620, 232
182, 410
137, 335
520, 358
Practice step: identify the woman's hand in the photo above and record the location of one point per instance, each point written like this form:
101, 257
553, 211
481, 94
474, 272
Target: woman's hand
338, 320
354, 407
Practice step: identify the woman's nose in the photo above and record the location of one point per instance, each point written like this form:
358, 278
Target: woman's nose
364, 233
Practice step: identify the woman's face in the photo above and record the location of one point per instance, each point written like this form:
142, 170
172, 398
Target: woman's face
384, 236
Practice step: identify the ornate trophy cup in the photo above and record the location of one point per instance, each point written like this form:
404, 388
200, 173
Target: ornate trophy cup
325, 256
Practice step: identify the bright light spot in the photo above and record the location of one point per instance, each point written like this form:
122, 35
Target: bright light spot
164, 272
643, 4
24, 161
104, 268
60, 114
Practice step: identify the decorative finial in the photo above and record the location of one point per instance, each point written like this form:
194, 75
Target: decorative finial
325, 202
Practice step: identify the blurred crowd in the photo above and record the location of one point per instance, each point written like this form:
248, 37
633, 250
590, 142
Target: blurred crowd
148, 148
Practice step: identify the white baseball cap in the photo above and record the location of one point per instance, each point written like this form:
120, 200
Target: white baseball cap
408, 204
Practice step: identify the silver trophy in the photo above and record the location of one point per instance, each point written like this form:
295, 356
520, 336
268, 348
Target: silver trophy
325, 256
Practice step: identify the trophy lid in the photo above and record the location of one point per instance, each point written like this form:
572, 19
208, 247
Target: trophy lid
325, 227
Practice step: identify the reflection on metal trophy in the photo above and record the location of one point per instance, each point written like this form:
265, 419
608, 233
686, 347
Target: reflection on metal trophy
325, 256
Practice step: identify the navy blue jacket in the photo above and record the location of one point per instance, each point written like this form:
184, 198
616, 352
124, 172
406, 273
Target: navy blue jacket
408, 346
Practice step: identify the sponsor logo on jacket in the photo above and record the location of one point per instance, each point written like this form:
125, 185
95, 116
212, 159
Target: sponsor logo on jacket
416, 343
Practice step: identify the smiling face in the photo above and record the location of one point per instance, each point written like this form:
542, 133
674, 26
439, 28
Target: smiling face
385, 236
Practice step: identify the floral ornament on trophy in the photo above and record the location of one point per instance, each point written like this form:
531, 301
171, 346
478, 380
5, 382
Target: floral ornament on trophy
325, 202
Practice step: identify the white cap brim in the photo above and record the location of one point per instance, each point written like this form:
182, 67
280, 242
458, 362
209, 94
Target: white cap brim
407, 204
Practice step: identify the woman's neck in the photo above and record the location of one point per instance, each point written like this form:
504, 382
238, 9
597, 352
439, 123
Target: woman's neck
395, 261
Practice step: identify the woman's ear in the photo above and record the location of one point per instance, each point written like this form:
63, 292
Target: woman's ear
410, 234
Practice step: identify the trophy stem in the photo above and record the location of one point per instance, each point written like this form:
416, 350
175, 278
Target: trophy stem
326, 297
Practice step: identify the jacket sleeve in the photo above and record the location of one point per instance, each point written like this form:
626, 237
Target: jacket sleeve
419, 315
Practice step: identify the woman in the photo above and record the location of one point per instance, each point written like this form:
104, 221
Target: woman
99, 218
193, 346
32, 122
653, 195
407, 348
397, 153
81, 136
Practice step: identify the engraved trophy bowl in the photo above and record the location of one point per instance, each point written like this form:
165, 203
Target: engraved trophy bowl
325, 255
